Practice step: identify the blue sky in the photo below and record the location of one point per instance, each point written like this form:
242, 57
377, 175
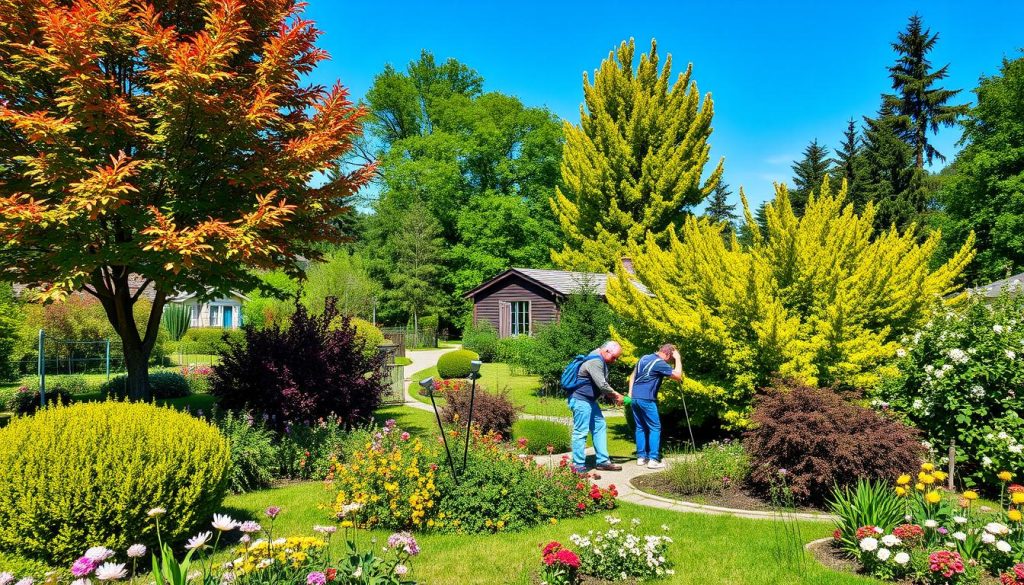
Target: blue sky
780, 73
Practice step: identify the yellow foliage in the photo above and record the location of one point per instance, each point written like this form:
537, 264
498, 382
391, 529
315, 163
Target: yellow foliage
819, 298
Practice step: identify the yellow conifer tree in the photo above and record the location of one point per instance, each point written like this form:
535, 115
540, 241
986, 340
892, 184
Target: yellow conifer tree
634, 163
821, 298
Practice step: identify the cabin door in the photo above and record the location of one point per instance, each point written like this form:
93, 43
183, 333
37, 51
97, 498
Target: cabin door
504, 319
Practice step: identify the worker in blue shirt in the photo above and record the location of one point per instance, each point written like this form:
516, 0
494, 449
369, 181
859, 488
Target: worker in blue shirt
644, 383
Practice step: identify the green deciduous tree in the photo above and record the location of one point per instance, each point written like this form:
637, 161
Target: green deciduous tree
413, 246
343, 276
635, 162
918, 105
482, 164
808, 173
985, 193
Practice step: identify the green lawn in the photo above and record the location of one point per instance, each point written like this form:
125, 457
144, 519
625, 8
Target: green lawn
524, 390
707, 549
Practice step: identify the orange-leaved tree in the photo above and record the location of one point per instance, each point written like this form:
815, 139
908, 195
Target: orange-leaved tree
175, 142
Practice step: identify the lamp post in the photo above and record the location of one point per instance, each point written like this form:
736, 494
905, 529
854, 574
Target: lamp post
428, 385
474, 373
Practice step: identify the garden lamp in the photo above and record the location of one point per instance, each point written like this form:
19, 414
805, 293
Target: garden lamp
474, 373
428, 386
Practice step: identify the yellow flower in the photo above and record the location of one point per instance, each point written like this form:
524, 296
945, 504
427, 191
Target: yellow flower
919, 487
1005, 475
971, 495
553, 521
346, 524
1014, 515
932, 497
903, 479
927, 467
901, 491
1017, 498
940, 475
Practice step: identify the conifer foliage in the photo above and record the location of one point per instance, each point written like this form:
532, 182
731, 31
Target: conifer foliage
821, 299
634, 163
171, 140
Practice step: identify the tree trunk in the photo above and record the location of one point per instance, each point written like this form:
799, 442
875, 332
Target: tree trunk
111, 287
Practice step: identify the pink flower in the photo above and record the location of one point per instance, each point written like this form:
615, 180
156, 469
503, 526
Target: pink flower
83, 567
405, 436
316, 578
273, 511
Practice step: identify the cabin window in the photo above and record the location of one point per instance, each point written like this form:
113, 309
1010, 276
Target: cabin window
214, 315
520, 322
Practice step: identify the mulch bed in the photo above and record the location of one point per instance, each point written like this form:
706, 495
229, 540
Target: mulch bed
736, 498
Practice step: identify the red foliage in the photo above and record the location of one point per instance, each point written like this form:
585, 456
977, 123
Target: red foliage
821, 441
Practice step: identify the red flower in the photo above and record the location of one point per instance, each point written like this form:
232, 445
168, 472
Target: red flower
1014, 577
908, 532
948, 563
581, 506
1015, 488
551, 547
866, 531
332, 574
837, 534
568, 558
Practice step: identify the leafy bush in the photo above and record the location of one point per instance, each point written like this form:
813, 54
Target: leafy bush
518, 352
959, 380
822, 441
209, 340
389, 483
71, 384
499, 490
25, 400
21, 567
369, 335
253, 454
714, 468
163, 384
456, 364
819, 299
584, 324
309, 450
102, 466
491, 412
483, 339
198, 377
543, 436
305, 372
10, 321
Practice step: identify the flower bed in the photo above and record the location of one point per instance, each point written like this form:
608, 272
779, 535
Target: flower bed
396, 481
917, 532
615, 554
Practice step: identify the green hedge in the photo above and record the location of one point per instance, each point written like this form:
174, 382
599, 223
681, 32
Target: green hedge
207, 340
456, 364
163, 384
102, 466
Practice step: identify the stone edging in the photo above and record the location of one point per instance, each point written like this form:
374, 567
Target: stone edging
646, 498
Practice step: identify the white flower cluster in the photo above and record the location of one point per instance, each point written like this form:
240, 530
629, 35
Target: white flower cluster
623, 553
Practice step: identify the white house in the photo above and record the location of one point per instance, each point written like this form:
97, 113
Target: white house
223, 311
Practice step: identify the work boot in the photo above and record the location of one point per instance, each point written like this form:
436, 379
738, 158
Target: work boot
608, 467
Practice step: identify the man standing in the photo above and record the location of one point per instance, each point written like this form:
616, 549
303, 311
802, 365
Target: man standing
586, 412
644, 383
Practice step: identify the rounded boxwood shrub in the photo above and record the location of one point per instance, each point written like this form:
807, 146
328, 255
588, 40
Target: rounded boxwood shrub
85, 475
812, 440
540, 434
163, 384
456, 364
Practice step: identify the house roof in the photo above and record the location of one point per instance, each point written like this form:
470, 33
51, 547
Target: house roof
1013, 283
134, 283
179, 297
559, 282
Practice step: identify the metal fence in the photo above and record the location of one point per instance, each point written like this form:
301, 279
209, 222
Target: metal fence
409, 338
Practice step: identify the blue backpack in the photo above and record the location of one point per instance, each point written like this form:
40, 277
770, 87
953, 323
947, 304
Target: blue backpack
571, 380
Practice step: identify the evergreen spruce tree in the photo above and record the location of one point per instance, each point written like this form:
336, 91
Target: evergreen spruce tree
918, 105
719, 210
633, 165
849, 166
808, 174
890, 178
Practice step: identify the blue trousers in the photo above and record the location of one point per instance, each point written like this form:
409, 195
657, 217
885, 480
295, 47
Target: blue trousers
587, 418
648, 429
